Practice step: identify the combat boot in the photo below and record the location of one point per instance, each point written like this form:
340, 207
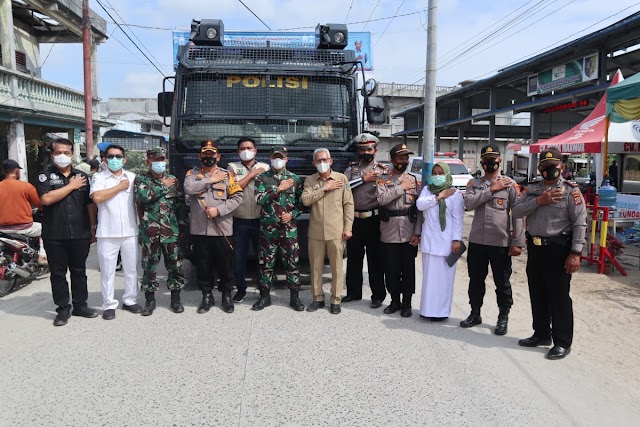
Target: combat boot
294, 301
264, 301
176, 305
395, 304
502, 323
150, 304
473, 319
207, 302
227, 302
405, 311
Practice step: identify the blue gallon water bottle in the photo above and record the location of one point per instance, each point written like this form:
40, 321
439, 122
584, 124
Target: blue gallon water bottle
607, 195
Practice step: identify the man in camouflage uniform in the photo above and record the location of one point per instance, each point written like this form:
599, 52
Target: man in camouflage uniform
157, 198
278, 192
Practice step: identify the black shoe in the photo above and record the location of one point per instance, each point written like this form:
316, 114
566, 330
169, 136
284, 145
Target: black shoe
294, 300
471, 321
534, 341
406, 312
314, 306
502, 323
239, 296
149, 307
227, 302
264, 301
206, 304
349, 298
135, 308
109, 314
176, 304
393, 307
558, 352
84, 311
335, 309
61, 318
375, 303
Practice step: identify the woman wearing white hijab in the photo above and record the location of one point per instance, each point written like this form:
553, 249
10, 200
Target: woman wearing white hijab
443, 208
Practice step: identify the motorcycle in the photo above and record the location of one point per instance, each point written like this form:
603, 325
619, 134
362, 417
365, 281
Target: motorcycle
18, 260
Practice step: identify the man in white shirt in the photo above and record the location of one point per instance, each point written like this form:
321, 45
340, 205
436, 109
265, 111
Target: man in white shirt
112, 191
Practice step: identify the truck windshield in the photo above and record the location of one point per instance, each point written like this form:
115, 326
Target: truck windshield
274, 109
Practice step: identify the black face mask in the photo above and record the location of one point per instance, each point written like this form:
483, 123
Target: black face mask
366, 158
490, 165
551, 172
209, 161
401, 167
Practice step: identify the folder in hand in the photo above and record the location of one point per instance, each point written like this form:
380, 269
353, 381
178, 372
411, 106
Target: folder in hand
455, 256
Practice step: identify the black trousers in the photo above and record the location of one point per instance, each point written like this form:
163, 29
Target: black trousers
549, 284
400, 267
366, 234
479, 258
68, 255
213, 257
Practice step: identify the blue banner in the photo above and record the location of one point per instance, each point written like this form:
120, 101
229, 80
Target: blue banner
360, 43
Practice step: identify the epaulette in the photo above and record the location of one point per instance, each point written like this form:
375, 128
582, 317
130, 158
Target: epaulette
571, 184
352, 164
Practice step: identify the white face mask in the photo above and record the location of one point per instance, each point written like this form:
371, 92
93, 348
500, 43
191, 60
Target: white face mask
323, 167
278, 164
246, 155
62, 160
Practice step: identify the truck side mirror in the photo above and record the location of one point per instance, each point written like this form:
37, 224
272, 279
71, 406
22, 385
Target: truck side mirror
374, 106
165, 103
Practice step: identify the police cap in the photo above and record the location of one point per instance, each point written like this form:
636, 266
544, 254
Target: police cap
399, 150
490, 150
209, 145
366, 140
279, 149
550, 154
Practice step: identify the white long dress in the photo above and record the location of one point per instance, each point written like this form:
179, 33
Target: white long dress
435, 245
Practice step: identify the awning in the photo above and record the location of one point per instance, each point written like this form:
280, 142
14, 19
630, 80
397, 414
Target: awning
586, 137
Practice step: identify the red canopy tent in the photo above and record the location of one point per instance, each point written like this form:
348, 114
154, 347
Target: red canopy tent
585, 137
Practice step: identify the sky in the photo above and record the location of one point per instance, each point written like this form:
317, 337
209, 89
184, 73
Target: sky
475, 38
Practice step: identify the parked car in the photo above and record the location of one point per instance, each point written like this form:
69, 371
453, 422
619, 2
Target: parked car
459, 171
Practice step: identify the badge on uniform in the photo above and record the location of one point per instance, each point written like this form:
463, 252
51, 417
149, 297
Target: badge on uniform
577, 197
42, 177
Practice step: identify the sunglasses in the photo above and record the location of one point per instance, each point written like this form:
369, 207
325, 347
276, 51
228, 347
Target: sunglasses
115, 156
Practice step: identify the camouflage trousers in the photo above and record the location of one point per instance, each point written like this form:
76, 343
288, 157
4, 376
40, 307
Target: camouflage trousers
172, 261
282, 237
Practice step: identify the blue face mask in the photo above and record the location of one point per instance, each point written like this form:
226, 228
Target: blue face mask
158, 167
115, 164
438, 180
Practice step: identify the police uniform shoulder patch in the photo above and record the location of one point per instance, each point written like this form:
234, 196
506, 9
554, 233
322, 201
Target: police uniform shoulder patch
571, 184
577, 196
470, 183
380, 182
42, 177
190, 172
234, 187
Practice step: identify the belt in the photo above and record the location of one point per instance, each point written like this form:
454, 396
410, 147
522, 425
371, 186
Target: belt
401, 212
366, 214
560, 240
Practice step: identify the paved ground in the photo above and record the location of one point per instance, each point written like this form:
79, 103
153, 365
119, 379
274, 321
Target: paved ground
279, 367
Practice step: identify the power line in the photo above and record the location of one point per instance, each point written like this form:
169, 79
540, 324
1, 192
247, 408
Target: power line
253, 13
370, 15
348, 12
130, 39
361, 22
389, 23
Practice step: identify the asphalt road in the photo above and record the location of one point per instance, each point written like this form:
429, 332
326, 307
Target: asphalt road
280, 367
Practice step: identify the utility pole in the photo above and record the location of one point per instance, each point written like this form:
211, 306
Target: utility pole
429, 120
88, 90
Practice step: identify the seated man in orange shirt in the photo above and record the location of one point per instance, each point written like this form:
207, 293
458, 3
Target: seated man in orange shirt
16, 201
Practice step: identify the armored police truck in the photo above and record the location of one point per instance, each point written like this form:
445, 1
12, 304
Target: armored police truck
302, 97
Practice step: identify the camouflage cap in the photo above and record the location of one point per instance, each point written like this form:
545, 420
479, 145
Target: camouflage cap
279, 149
156, 152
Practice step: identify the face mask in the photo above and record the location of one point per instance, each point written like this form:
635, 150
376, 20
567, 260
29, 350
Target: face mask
401, 167
278, 164
246, 155
490, 165
366, 158
62, 160
438, 180
550, 173
323, 167
158, 167
209, 161
115, 164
